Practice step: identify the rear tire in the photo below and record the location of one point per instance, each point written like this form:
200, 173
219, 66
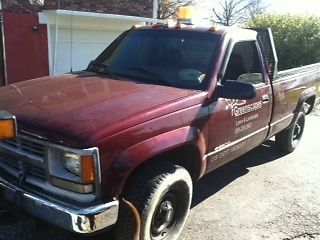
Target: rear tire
162, 195
287, 140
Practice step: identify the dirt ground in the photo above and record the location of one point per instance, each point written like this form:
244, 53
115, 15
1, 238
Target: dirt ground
262, 195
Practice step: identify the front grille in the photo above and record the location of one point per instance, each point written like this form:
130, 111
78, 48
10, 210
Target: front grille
24, 146
15, 166
23, 154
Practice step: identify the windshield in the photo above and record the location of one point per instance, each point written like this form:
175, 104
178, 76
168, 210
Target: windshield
169, 57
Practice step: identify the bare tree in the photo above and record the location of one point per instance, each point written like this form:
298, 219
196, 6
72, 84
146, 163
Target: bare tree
257, 7
168, 8
230, 12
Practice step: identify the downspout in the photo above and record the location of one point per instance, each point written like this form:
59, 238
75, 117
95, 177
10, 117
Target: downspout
155, 9
5, 77
55, 44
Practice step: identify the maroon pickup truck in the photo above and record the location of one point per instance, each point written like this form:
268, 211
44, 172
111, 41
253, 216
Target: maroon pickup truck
122, 142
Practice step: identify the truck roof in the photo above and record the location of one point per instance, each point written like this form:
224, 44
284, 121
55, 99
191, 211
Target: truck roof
235, 33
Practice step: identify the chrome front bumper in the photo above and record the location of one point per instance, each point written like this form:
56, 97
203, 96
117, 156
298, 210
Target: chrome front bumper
79, 220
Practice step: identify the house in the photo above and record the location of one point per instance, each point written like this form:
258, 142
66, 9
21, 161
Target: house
50, 37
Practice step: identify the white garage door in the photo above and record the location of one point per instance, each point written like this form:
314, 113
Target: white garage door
76, 48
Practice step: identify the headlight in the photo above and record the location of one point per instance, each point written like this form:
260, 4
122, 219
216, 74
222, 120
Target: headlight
72, 162
82, 166
74, 169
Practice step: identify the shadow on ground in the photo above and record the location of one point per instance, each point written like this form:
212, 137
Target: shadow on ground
220, 178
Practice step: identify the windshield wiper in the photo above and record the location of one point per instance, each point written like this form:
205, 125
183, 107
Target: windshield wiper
155, 77
99, 65
101, 68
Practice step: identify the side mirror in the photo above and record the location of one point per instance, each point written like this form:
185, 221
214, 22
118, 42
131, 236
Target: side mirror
236, 90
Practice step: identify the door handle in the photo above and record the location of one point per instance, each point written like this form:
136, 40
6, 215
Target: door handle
265, 99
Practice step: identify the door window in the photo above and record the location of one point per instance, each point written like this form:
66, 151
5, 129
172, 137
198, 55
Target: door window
244, 64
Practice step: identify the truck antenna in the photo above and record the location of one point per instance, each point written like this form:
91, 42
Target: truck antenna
71, 38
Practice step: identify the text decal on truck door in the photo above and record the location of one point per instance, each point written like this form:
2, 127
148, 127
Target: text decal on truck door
239, 108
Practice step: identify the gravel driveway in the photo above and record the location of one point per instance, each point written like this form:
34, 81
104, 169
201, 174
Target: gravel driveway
262, 195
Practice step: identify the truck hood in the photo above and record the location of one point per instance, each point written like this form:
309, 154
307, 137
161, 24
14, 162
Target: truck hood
72, 108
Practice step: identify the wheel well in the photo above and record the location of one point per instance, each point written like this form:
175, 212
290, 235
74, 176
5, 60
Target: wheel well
187, 156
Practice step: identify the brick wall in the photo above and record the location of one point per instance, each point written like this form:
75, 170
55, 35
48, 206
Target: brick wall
142, 8
19, 6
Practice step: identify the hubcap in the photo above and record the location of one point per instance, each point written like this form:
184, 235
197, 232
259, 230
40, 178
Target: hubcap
297, 131
164, 217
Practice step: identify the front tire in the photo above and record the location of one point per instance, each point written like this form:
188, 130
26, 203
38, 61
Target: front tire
162, 195
288, 139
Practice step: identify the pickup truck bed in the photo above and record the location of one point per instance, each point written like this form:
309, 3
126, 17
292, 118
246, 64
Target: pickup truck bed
293, 88
298, 71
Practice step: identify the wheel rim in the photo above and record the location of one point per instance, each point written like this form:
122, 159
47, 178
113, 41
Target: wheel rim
165, 216
297, 131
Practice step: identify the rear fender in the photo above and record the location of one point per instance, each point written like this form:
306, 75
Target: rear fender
134, 156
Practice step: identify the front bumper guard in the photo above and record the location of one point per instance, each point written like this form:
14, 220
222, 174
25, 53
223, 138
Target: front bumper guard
78, 220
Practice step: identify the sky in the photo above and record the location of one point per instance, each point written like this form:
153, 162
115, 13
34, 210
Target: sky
301, 7
311, 7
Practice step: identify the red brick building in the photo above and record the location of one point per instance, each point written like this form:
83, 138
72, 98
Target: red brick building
42, 37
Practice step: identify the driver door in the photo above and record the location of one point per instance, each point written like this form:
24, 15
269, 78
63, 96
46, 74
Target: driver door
237, 126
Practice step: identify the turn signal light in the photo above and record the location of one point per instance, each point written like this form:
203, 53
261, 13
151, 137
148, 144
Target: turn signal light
87, 163
7, 128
